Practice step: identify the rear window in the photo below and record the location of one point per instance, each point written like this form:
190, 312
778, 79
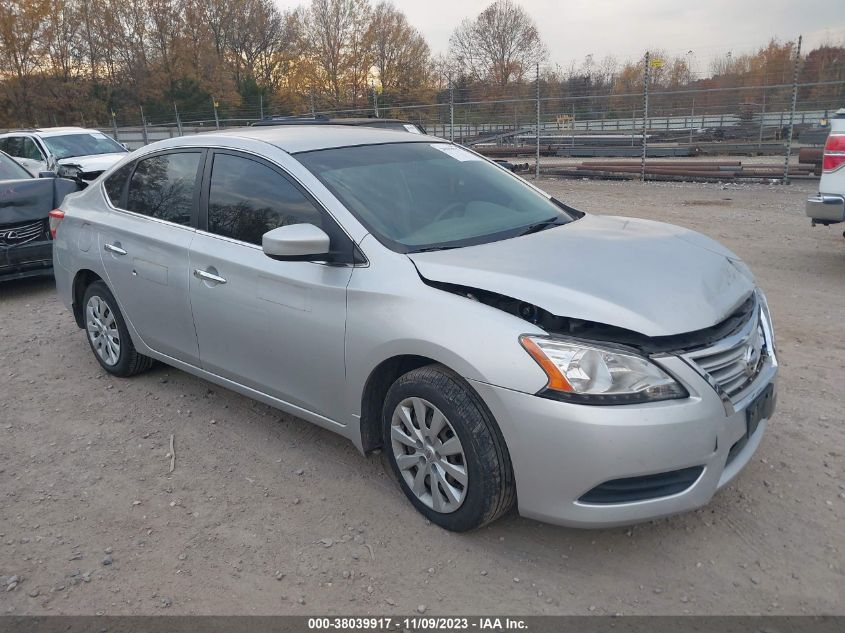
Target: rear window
116, 183
163, 187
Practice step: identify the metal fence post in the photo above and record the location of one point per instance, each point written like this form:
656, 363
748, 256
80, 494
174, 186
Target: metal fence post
144, 126
645, 117
451, 110
178, 119
792, 112
691, 120
762, 113
537, 166
375, 101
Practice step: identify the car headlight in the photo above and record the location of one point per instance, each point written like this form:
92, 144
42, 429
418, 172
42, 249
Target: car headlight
766, 322
587, 373
69, 171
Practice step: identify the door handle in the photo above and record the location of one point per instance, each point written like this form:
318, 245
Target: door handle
114, 249
207, 276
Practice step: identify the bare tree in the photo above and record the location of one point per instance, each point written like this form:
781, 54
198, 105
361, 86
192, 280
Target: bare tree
22, 26
332, 30
498, 46
400, 53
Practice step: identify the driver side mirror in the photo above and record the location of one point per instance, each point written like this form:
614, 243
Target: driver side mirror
46, 174
296, 243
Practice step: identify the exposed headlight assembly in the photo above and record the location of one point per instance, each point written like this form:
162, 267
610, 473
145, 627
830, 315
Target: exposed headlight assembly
587, 373
69, 171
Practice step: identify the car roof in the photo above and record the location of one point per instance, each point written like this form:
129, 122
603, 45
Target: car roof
49, 131
61, 131
305, 138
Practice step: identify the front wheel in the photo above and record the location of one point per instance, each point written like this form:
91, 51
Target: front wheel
107, 333
446, 450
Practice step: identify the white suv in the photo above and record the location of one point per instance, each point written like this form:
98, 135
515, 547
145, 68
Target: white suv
828, 206
70, 152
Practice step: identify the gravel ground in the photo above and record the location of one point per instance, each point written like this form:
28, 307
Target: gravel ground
267, 514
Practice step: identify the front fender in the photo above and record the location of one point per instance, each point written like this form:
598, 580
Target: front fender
392, 312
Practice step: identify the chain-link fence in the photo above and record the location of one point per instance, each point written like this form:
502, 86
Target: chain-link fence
751, 120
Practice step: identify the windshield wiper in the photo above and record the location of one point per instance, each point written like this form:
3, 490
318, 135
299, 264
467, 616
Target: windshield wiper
429, 249
541, 226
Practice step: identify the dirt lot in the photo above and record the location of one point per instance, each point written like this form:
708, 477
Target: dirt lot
268, 514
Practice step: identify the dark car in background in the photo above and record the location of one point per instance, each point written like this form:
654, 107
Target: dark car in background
26, 247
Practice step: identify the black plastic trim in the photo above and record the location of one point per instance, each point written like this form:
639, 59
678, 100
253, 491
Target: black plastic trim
630, 489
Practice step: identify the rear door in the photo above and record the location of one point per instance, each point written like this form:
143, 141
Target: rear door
145, 246
277, 327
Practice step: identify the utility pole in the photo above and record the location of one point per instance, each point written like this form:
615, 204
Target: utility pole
312, 102
645, 115
537, 166
451, 110
261, 105
216, 103
792, 112
114, 125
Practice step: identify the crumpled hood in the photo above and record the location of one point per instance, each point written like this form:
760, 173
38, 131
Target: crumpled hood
97, 162
653, 278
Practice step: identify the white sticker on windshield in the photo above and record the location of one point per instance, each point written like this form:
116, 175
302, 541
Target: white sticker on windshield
98, 135
412, 128
458, 153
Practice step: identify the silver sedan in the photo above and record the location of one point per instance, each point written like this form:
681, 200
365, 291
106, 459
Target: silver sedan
502, 348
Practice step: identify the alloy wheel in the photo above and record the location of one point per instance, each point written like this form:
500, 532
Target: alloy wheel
429, 454
102, 330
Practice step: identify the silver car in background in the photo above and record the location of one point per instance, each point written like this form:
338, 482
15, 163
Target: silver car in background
501, 347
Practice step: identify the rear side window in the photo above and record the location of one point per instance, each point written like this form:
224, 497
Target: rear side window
163, 187
247, 199
116, 183
12, 146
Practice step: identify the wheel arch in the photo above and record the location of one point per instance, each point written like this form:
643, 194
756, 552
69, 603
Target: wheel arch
83, 278
375, 390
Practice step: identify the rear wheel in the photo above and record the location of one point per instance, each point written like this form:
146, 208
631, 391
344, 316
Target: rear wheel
107, 333
446, 450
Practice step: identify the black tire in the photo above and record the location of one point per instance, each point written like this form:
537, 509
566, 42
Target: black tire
129, 361
490, 490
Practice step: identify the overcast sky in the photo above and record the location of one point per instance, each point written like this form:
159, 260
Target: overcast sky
625, 28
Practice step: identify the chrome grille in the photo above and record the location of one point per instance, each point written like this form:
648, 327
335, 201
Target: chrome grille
734, 363
22, 233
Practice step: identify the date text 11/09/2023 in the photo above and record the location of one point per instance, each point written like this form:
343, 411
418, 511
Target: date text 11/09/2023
417, 623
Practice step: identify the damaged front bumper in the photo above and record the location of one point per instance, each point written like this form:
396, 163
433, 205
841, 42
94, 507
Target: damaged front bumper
570, 460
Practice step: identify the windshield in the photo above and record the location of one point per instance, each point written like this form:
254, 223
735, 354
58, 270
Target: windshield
10, 170
82, 144
426, 196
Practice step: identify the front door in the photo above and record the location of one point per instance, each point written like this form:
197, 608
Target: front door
274, 326
145, 248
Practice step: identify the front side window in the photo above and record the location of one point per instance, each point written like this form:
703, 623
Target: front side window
163, 187
247, 198
82, 144
424, 196
30, 150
